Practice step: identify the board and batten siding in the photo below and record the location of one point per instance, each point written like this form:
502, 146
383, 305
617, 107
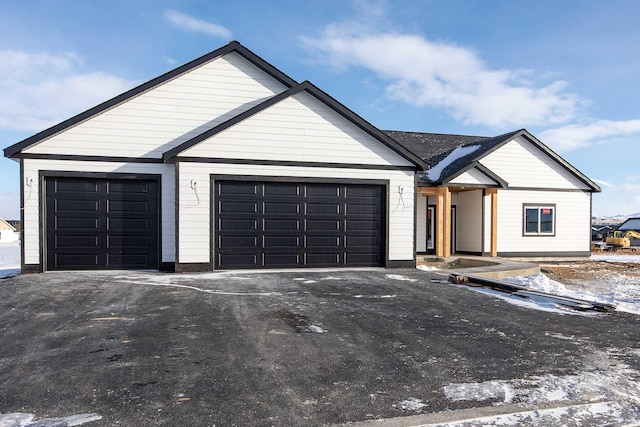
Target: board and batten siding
572, 222
32, 207
195, 211
169, 114
299, 128
469, 221
522, 165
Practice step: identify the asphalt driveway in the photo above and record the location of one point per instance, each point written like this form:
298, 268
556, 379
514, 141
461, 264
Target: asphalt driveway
283, 349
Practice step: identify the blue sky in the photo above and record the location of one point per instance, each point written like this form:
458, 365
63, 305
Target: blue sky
567, 71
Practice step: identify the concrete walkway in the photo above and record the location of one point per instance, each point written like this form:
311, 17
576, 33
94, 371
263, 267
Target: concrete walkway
493, 268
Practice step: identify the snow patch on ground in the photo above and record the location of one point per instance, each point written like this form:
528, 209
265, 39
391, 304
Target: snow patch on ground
633, 259
611, 394
9, 260
20, 419
427, 268
400, 277
411, 404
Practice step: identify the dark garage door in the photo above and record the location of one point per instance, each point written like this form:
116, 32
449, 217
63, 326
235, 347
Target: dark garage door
94, 224
276, 224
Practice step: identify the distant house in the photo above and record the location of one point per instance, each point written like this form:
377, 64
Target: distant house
634, 225
600, 233
228, 163
7, 232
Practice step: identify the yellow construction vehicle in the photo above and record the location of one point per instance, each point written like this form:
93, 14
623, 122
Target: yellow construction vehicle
621, 239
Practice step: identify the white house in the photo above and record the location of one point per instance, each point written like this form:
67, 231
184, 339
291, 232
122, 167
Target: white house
226, 162
7, 232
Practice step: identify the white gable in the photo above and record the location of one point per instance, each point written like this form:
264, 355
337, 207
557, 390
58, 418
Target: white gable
473, 177
170, 114
523, 165
299, 128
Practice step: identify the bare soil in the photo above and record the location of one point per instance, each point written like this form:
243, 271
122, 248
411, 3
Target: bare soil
587, 274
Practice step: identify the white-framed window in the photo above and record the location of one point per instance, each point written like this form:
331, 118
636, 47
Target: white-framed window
539, 220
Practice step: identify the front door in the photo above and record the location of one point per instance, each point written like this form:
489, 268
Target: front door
431, 229
453, 230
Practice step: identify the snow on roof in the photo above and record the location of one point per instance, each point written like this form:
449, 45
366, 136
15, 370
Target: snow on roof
436, 171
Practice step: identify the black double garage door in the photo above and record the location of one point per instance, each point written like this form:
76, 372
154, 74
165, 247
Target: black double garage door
282, 224
95, 224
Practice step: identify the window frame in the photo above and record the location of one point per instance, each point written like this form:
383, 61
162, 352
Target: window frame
539, 207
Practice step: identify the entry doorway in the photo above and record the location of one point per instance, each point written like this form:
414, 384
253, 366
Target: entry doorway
431, 229
453, 230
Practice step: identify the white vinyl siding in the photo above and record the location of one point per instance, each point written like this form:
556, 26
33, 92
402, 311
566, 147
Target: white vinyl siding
523, 165
170, 114
572, 221
469, 221
195, 212
421, 224
32, 206
299, 128
473, 177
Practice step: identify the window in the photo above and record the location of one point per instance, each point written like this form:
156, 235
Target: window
539, 220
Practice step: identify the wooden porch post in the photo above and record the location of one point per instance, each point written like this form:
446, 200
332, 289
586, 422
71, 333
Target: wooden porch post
447, 222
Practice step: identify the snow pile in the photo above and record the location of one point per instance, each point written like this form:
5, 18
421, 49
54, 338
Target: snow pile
9, 260
633, 259
400, 277
21, 419
427, 268
624, 291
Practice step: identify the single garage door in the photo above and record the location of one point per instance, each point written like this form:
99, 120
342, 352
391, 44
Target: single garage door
277, 224
95, 224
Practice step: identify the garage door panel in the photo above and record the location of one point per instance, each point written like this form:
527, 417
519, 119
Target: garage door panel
239, 260
281, 225
281, 189
76, 205
323, 259
101, 223
281, 241
237, 189
322, 209
238, 242
322, 190
129, 207
231, 225
299, 224
322, 225
238, 207
76, 241
322, 241
75, 261
362, 225
75, 224
127, 187
279, 208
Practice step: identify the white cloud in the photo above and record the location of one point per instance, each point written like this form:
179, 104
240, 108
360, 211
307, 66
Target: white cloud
579, 135
191, 24
443, 75
41, 89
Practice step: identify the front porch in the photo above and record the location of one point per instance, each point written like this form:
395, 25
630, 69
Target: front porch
462, 220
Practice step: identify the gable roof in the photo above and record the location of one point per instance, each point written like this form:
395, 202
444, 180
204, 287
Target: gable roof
323, 97
233, 46
477, 147
8, 226
630, 224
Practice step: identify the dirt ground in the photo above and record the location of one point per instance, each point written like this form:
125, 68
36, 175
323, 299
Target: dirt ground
576, 274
